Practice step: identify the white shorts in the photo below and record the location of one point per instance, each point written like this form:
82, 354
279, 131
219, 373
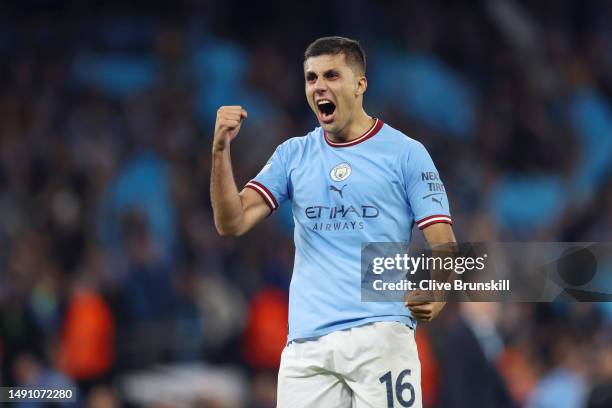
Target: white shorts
375, 365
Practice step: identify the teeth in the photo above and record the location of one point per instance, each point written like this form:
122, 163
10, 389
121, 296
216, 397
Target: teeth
323, 101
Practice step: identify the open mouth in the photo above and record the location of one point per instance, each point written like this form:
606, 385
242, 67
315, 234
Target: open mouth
326, 109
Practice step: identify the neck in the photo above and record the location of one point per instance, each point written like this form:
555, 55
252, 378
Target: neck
354, 129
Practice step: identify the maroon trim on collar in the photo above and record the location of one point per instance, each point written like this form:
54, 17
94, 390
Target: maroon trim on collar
368, 134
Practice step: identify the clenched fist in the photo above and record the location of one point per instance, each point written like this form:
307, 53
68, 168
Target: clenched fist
422, 306
227, 126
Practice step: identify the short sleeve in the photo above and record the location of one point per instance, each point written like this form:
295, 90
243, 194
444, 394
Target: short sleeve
424, 188
271, 182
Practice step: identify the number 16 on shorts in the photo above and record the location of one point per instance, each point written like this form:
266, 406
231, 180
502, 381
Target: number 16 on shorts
402, 389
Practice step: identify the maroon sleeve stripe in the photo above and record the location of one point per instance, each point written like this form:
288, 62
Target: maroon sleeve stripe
264, 193
433, 219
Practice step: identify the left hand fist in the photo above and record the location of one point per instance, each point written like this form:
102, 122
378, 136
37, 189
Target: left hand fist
424, 311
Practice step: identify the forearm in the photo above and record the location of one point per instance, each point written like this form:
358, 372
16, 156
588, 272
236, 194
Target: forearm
225, 198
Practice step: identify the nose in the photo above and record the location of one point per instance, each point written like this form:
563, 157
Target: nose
319, 86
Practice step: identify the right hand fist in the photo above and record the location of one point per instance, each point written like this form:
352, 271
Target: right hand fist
227, 126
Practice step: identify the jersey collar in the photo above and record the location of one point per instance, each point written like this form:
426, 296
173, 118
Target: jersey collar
368, 134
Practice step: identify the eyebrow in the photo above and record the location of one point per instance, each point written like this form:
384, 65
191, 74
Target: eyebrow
325, 73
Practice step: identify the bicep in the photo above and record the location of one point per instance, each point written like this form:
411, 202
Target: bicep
254, 209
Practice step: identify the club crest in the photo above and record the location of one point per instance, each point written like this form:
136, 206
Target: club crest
341, 172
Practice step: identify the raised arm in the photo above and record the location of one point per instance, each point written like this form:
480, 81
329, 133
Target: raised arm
235, 212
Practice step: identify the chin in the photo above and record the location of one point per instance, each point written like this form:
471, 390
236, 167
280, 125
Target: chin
328, 127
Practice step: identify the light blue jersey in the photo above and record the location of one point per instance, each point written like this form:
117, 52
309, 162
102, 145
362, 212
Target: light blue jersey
371, 189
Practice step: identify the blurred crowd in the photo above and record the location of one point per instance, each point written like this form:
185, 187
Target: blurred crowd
109, 261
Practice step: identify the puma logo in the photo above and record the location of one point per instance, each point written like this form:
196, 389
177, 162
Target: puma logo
338, 190
435, 200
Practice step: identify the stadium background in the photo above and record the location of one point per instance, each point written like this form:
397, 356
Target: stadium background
112, 276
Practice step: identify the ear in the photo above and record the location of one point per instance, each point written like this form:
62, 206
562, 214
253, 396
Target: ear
361, 86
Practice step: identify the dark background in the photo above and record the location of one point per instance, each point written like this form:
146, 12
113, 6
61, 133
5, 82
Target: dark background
112, 277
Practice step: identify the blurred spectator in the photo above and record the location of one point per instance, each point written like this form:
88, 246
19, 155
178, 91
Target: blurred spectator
430, 369
601, 394
86, 349
564, 385
147, 291
472, 346
143, 187
517, 371
265, 334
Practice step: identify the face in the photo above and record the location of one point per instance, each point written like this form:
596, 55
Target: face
334, 90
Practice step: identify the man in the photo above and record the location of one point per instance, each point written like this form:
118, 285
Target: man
351, 180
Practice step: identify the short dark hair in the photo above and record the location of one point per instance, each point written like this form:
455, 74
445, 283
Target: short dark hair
351, 49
